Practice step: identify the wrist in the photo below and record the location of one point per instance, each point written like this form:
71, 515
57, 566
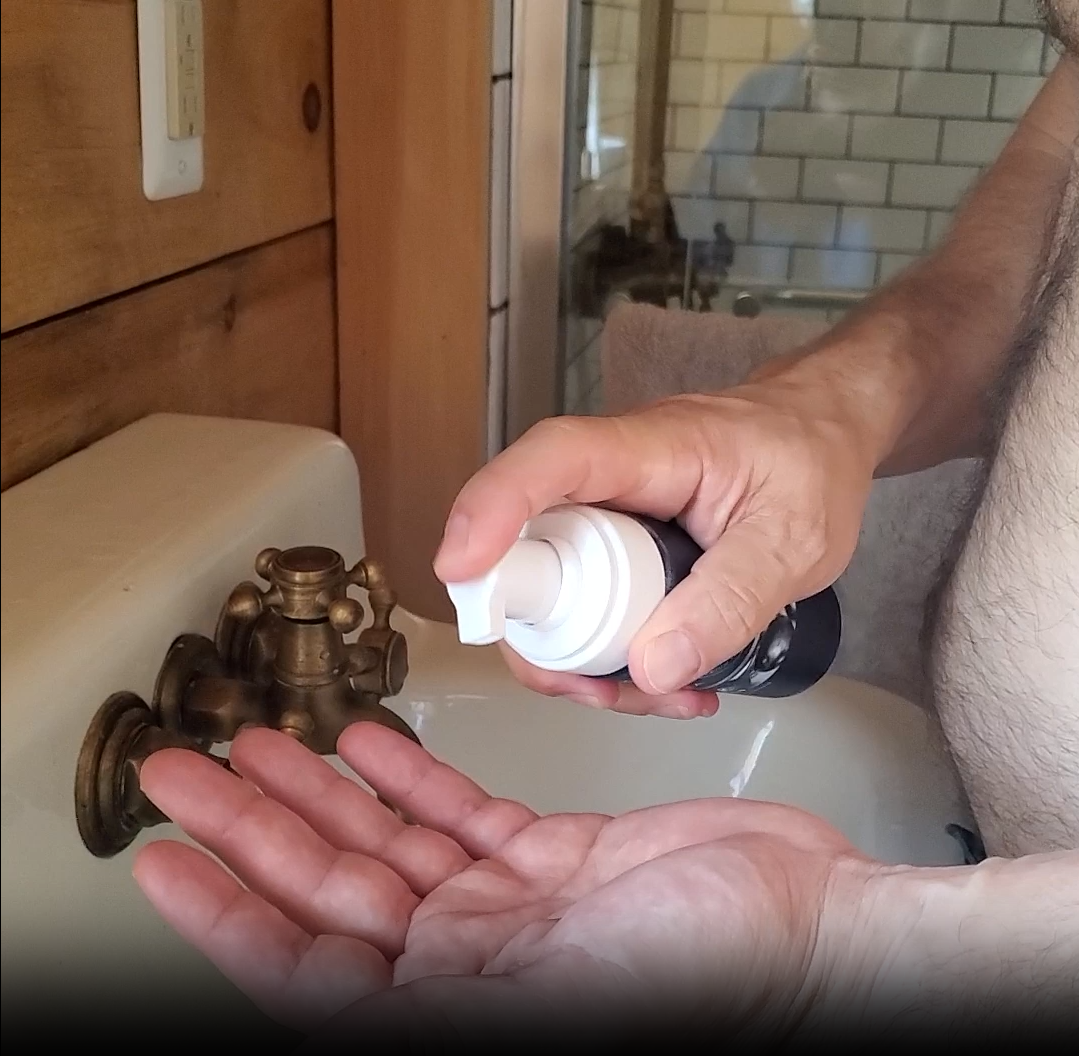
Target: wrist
923, 952
862, 375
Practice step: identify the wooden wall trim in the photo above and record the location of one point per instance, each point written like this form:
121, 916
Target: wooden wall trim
77, 227
249, 336
411, 151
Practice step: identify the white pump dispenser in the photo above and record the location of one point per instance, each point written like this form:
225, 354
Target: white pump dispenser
570, 594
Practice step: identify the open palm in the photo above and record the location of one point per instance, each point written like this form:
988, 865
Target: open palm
710, 907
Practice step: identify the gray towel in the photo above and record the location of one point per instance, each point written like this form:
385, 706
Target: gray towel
648, 353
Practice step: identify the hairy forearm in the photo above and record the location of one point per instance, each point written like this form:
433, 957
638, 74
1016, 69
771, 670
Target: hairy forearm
916, 365
930, 952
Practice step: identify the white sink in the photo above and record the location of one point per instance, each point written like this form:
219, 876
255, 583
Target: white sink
111, 554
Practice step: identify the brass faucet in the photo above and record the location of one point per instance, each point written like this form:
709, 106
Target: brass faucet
279, 659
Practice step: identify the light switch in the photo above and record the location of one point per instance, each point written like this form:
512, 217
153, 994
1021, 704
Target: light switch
172, 96
183, 67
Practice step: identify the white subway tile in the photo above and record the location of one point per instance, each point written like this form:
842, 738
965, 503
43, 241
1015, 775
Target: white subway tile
863, 8
939, 222
688, 172
834, 41
829, 41
685, 81
1013, 94
697, 218
769, 86
606, 30
690, 35
939, 186
847, 269
946, 94
895, 138
502, 37
710, 128
956, 10
627, 40
789, 39
760, 264
974, 142
1051, 56
618, 86
736, 37
1021, 12
755, 177
496, 381
760, 7
813, 135
794, 224
1000, 49
891, 264
845, 89
900, 229
861, 182
908, 45
500, 191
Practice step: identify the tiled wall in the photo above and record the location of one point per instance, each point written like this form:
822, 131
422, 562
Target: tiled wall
835, 139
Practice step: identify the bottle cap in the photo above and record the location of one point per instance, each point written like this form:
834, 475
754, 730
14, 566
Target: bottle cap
570, 594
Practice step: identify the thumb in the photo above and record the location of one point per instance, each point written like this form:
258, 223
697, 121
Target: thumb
734, 591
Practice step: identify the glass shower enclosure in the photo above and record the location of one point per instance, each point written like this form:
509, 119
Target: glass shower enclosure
752, 157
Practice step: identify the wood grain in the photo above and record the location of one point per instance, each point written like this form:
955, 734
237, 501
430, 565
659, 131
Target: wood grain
412, 126
250, 336
76, 224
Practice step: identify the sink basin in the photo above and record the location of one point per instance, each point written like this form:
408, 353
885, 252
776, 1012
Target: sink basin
112, 553
872, 764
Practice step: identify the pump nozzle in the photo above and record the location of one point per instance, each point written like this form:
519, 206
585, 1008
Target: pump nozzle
523, 586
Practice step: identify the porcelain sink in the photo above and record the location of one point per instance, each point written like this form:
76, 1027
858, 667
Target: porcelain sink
112, 553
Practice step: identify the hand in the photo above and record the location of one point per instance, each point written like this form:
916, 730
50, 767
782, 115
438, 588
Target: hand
770, 482
715, 908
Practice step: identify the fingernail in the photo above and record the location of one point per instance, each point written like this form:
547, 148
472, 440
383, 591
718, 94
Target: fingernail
671, 661
455, 537
581, 698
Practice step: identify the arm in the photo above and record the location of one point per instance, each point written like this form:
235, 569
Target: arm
916, 365
771, 477
995, 946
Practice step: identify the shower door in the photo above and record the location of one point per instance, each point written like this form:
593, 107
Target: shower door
745, 156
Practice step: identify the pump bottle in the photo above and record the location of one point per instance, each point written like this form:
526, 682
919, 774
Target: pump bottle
580, 582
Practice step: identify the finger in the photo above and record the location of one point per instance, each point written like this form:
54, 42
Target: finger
433, 793
591, 692
278, 855
296, 979
587, 460
342, 813
605, 694
733, 592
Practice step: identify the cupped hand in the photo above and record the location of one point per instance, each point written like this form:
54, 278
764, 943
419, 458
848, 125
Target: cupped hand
329, 912
771, 482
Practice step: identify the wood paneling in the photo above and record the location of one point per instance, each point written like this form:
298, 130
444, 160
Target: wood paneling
412, 127
76, 224
250, 336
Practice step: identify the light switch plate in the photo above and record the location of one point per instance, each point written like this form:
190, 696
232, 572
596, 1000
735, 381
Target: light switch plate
171, 50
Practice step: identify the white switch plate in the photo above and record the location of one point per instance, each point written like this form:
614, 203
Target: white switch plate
170, 167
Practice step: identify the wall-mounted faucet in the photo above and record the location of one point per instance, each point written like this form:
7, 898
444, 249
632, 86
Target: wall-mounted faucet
279, 659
